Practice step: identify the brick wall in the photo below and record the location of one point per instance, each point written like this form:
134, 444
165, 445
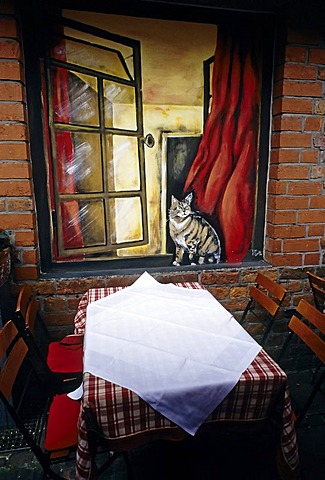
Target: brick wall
295, 227
296, 197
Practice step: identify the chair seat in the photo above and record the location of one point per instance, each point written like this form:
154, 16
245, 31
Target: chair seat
65, 358
62, 430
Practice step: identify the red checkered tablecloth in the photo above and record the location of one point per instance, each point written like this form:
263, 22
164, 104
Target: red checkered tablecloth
261, 392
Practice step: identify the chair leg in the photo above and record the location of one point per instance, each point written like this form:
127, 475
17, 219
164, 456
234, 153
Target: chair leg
243, 318
310, 399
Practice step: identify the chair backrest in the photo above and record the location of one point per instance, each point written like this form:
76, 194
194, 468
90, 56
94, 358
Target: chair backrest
317, 285
265, 299
268, 293
13, 351
309, 327
24, 297
33, 411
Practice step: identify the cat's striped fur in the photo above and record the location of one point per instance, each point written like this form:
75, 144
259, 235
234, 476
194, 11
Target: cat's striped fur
192, 234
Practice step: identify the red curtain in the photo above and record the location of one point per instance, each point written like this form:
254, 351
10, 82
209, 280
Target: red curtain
223, 173
71, 228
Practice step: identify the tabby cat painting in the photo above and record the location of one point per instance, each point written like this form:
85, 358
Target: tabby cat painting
192, 234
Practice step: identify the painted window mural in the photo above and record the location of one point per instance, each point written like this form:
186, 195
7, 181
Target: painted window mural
154, 140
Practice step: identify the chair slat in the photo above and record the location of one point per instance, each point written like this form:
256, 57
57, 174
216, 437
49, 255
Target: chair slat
311, 339
11, 367
267, 302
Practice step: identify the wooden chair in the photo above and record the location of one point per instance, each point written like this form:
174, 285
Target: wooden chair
49, 427
317, 285
63, 357
308, 324
264, 303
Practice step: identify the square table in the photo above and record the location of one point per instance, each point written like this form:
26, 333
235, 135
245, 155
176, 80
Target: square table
128, 421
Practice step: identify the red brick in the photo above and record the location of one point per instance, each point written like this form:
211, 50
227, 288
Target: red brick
300, 72
317, 55
317, 202
12, 91
314, 123
13, 131
302, 89
25, 239
20, 205
16, 221
10, 49
291, 140
13, 170
285, 155
8, 27
309, 156
305, 188
273, 245
238, 292
26, 273
218, 278
311, 216
19, 188
277, 187
11, 70
14, 151
296, 54
284, 260
288, 203
14, 112
293, 105
305, 245
30, 257
290, 172
315, 230
286, 122
281, 217
311, 259
285, 231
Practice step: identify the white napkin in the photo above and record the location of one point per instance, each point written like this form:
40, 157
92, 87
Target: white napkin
179, 349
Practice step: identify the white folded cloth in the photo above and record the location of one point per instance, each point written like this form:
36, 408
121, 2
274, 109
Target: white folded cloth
179, 349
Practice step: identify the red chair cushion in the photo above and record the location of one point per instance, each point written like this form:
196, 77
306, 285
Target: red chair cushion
63, 358
62, 430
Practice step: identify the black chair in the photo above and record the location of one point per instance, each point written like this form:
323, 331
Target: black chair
308, 324
47, 421
265, 300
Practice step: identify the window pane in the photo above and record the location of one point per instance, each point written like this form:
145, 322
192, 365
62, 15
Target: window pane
106, 57
83, 223
120, 111
78, 158
127, 222
123, 164
75, 98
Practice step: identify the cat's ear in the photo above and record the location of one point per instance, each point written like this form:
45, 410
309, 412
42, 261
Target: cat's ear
188, 199
173, 200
